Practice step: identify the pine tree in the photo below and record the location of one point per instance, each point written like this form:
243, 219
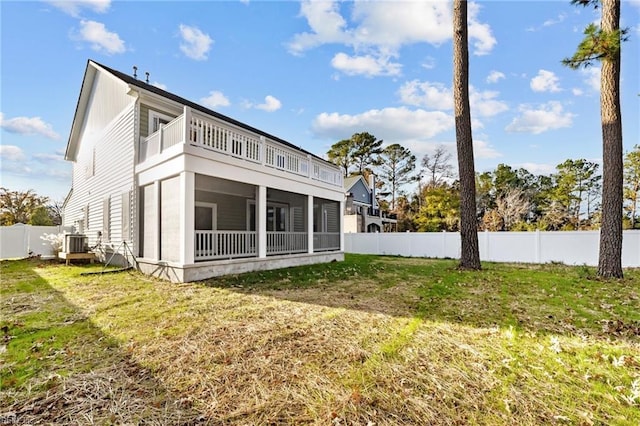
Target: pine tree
603, 44
397, 165
470, 254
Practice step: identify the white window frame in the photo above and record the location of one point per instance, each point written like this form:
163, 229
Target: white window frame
155, 115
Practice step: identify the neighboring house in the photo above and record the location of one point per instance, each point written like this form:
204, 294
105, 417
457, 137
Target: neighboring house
362, 212
193, 193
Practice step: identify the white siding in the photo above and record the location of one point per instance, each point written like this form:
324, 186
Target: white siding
149, 225
108, 99
170, 200
105, 160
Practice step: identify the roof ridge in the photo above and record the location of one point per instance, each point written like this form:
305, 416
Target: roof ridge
179, 99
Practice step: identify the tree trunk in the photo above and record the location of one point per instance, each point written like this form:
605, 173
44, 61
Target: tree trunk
610, 257
470, 255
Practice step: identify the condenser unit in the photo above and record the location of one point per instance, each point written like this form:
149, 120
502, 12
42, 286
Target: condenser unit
75, 243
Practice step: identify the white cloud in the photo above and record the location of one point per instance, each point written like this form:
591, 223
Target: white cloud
366, 65
577, 92
159, 85
426, 94
58, 174
377, 30
549, 22
11, 153
537, 168
395, 124
270, 104
386, 25
49, 158
101, 39
420, 148
195, 44
479, 34
545, 81
73, 7
591, 77
438, 96
495, 76
483, 150
429, 63
549, 116
215, 99
326, 23
28, 126
486, 104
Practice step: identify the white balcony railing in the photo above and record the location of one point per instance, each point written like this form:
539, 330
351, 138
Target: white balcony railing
225, 244
286, 242
213, 134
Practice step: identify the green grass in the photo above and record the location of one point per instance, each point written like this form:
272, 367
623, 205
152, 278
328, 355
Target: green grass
385, 340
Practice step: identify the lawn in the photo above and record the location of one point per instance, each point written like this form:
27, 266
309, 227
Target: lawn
369, 341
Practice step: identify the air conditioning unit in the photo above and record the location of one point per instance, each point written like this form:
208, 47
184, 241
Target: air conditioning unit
75, 243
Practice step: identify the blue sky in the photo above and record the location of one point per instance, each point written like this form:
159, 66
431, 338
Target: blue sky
314, 73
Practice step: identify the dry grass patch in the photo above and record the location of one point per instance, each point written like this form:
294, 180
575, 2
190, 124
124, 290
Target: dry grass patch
372, 340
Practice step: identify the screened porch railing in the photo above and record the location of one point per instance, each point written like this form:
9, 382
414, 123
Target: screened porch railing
286, 242
211, 245
325, 241
225, 244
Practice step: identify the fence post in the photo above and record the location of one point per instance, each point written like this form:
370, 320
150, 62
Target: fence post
487, 246
537, 246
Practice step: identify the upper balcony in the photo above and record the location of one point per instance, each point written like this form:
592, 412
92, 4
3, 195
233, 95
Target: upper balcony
197, 129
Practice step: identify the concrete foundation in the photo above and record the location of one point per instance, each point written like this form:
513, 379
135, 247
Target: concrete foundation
203, 270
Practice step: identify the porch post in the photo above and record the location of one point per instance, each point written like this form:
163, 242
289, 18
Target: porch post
341, 221
157, 224
186, 111
261, 211
310, 222
187, 217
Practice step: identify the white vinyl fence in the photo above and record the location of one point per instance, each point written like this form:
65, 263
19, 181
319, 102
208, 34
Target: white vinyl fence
20, 241
571, 247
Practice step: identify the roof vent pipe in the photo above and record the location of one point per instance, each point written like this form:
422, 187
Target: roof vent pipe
147, 74
135, 72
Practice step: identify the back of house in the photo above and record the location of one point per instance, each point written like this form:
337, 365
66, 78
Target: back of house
189, 192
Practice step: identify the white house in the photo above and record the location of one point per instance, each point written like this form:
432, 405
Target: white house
192, 192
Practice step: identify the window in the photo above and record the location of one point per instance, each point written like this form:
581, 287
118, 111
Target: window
277, 217
156, 119
206, 216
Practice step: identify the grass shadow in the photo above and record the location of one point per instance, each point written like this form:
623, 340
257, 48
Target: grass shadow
59, 368
373, 339
550, 298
